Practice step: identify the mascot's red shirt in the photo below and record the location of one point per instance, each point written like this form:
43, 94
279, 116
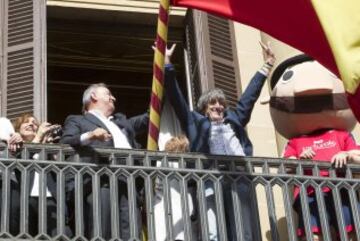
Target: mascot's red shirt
325, 144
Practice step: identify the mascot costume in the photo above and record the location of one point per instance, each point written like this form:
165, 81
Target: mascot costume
308, 106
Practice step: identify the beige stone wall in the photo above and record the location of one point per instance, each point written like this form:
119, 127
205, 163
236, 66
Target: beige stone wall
260, 128
356, 133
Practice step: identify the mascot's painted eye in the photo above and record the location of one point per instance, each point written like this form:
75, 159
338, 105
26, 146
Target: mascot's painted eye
287, 75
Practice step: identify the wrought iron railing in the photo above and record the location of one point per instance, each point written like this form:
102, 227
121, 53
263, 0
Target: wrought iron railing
46, 191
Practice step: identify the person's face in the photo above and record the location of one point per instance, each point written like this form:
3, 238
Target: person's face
215, 111
105, 100
29, 128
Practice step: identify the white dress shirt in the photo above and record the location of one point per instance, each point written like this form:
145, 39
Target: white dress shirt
119, 138
35, 191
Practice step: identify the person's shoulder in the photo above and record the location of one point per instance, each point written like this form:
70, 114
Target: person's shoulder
198, 116
120, 116
292, 140
4, 120
6, 128
298, 139
339, 132
72, 118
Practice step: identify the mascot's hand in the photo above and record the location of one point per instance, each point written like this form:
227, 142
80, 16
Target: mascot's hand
307, 153
340, 159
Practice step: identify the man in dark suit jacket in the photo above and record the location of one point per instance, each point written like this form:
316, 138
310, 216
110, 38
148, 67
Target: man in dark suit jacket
98, 128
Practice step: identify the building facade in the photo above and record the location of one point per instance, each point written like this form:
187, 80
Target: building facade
51, 50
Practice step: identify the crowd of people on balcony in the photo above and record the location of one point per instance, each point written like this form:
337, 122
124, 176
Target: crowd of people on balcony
212, 129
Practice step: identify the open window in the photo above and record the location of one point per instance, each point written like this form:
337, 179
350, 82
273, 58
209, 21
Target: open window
88, 46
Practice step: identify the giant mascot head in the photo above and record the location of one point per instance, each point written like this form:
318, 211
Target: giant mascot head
306, 97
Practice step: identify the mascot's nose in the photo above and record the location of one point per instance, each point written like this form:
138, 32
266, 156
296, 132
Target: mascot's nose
313, 86
313, 79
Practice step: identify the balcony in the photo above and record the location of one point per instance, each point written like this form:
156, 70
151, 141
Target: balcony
175, 183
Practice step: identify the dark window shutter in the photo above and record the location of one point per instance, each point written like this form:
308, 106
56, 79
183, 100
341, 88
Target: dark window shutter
216, 59
24, 66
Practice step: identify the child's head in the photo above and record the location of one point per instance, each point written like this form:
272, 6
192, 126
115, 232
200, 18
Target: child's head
177, 144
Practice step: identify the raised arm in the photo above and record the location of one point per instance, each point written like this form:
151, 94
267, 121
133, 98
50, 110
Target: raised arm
173, 92
252, 92
140, 122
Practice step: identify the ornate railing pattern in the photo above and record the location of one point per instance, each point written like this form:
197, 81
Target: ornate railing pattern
179, 183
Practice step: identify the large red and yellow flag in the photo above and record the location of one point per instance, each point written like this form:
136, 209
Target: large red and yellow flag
327, 30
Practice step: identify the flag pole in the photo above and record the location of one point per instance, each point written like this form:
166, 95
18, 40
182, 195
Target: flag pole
158, 75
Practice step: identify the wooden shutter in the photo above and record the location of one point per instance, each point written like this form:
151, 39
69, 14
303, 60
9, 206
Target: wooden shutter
2, 20
217, 61
24, 66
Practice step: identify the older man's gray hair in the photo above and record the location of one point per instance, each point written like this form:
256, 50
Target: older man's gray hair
87, 95
209, 97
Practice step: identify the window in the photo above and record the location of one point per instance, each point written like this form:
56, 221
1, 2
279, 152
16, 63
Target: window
87, 46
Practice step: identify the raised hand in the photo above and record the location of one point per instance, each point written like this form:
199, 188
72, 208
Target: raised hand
42, 133
168, 52
268, 53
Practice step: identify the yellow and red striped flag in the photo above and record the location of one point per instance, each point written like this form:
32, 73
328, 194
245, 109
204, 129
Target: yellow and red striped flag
158, 75
327, 30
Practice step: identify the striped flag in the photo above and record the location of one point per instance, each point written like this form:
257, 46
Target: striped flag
327, 30
157, 90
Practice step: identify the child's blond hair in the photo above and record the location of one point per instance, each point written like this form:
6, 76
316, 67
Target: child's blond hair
177, 144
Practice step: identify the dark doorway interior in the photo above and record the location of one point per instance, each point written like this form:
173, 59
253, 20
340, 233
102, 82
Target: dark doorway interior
87, 46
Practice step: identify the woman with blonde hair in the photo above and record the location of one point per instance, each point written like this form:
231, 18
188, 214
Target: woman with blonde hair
32, 131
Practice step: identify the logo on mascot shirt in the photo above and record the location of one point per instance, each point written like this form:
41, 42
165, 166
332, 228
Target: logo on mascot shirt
321, 145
